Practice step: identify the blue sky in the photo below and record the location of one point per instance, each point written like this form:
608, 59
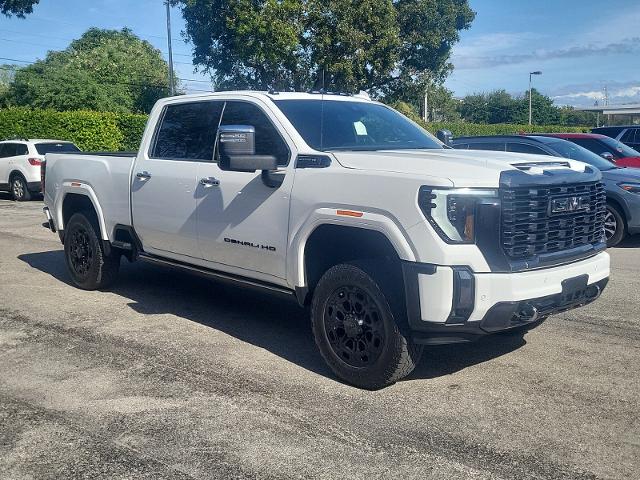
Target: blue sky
580, 46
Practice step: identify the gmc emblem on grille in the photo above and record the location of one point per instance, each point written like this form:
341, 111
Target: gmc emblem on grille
569, 204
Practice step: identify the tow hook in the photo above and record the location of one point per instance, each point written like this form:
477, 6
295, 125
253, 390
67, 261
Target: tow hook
528, 313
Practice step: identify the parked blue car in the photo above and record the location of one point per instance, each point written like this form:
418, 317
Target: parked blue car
621, 184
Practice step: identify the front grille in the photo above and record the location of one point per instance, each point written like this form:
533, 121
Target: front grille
529, 228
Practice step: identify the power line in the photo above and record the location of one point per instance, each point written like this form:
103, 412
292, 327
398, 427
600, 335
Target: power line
71, 40
191, 80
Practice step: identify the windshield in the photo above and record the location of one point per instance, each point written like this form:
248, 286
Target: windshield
576, 152
619, 147
343, 125
60, 147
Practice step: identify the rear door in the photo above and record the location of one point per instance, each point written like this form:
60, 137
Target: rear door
165, 178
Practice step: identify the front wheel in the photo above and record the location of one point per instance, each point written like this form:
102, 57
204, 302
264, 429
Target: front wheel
90, 268
614, 227
356, 318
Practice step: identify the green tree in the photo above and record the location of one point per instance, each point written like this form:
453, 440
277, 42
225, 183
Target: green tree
394, 48
19, 8
104, 70
501, 107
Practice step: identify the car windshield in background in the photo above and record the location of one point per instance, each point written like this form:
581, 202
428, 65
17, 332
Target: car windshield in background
621, 148
576, 152
59, 147
344, 125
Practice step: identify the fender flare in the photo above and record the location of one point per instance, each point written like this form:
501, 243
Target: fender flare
375, 221
79, 188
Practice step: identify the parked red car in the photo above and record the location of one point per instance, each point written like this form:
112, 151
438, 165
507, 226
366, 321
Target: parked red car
609, 148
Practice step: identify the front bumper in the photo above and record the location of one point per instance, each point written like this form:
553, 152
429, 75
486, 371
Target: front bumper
445, 306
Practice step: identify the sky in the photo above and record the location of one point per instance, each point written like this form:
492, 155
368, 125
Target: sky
581, 47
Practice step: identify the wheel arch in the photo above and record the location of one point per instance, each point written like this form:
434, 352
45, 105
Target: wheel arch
80, 199
331, 243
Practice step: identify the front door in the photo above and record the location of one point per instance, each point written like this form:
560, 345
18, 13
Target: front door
165, 179
241, 221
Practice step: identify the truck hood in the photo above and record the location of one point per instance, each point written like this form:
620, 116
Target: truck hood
463, 168
631, 175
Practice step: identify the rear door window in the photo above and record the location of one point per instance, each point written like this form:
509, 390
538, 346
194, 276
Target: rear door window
188, 131
495, 146
21, 149
525, 148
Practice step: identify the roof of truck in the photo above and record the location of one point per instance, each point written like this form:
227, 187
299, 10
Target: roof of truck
274, 95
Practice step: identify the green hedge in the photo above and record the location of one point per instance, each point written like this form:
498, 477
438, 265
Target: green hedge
460, 129
91, 131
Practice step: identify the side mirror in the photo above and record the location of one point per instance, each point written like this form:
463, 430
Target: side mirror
607, 156
445, 136
237, 150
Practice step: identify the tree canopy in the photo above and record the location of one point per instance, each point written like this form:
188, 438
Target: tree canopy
392, 48
104, 70
17, 7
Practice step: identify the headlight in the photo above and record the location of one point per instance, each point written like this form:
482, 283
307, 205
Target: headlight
630, 187
452, 212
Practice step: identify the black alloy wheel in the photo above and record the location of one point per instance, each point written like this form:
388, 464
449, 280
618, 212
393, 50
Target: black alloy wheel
81, 252
354, 326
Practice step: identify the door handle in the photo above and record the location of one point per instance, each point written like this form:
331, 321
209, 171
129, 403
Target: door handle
210, 182
143, 175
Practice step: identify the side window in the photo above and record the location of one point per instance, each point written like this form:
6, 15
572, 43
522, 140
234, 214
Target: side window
628, 135
187, 131
592, 145
525, 148
21, 149
461, 146
4, 151
8, 150
268, 139
495, 146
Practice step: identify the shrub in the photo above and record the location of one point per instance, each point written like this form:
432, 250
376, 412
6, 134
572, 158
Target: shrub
95, 131
460, 129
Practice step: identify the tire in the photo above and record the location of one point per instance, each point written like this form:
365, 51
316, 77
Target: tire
360, 327
615, 228
90, 268
19, 189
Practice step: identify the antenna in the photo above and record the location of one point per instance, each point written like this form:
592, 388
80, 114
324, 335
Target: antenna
322, 113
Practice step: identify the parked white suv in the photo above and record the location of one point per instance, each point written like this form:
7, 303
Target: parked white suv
20, 162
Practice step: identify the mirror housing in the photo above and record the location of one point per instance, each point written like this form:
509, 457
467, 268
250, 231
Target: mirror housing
445, 136
237, 150
607, 156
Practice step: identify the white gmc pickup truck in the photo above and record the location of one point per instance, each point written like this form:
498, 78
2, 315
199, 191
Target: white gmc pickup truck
393, 240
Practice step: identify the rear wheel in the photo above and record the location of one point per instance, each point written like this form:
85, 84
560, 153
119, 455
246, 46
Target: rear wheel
19, 190
356, 320
614, 227
90, 268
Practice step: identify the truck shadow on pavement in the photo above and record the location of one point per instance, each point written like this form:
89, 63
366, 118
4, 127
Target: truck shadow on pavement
260, 319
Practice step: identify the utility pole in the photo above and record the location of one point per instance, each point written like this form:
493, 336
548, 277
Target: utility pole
172, 91
425, 117
537, 72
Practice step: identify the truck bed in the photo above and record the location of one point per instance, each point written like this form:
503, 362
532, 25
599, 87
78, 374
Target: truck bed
106, 178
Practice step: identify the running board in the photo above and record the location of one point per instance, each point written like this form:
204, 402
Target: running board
227, 277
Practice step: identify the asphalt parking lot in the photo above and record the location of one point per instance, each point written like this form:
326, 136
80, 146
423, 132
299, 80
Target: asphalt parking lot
173, 376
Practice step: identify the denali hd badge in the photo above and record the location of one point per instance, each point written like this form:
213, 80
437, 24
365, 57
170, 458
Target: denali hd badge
569, 204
